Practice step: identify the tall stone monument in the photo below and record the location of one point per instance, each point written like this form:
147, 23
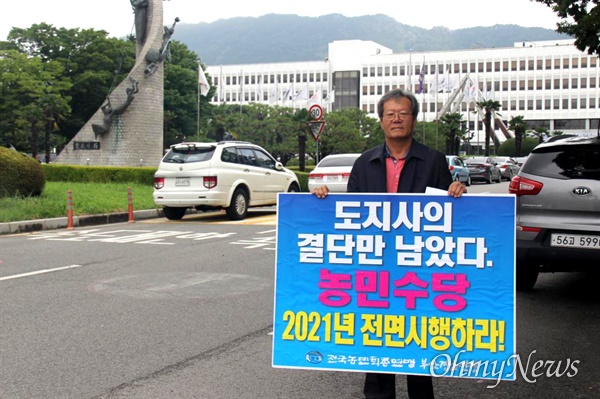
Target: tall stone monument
127, 130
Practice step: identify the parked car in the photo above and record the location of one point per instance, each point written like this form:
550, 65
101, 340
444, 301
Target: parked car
558, 209
458, 169
333, 171
230, 175
520, 160
483, 169
508, 167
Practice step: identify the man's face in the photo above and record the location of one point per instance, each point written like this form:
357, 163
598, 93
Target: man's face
397, 121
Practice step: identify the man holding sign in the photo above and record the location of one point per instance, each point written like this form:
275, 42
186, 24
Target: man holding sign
399, 165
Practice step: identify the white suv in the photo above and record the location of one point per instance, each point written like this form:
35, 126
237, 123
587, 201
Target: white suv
228, 175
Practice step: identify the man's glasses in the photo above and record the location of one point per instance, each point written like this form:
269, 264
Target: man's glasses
390, 116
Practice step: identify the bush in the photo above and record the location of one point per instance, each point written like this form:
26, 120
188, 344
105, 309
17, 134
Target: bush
20, 174
99, 174
507, 149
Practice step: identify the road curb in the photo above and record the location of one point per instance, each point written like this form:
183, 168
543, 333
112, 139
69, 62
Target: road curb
28, 226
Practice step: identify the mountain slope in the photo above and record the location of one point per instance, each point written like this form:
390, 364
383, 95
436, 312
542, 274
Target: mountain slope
289, 38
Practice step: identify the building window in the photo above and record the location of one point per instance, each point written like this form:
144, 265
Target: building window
574, 63
530, 105
574, 83
547, 103
505, 66
548, 63
556, 103
583, 103
538, 104
565, 84
522, 65
565, 103
539, 84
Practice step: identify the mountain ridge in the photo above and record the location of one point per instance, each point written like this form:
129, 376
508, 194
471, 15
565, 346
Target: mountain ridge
291, 38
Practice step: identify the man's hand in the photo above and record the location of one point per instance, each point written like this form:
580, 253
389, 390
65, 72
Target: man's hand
320, 192
456, 189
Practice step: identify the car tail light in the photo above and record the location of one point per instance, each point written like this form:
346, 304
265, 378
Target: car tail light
315, 176
451, 167
522, 186
159, 182
345, 175
210, 181
529, 229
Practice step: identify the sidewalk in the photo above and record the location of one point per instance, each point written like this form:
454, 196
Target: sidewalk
28, 226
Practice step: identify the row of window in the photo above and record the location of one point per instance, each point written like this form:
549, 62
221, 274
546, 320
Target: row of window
500, 86
480, 67
257, 79
514, 105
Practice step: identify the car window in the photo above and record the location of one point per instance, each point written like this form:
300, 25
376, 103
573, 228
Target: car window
229, 155
247, 156
189, 154
569, 162
337, 161
263, 160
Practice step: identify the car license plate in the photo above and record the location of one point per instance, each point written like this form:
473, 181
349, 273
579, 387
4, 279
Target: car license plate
182, 181
575, 241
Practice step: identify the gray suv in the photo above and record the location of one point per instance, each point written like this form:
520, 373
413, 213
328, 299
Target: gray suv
558, 209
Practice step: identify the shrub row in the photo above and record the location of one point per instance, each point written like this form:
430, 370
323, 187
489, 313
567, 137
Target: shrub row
99, 174
118, 174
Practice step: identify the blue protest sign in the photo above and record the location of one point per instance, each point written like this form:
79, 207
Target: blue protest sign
396, 283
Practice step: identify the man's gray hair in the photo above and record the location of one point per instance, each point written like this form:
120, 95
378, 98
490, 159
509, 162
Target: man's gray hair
398, 94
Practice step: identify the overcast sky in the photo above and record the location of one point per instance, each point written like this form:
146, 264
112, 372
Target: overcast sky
116, 17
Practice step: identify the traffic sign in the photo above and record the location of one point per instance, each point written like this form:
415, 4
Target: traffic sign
316, 127
316, 112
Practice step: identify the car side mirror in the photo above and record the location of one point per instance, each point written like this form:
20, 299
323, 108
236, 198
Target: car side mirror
278, 166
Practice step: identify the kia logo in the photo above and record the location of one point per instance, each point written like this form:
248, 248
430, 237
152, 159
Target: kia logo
581, 191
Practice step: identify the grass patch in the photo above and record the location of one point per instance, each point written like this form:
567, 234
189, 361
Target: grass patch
88, 199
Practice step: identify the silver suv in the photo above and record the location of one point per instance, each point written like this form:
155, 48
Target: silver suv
558, 209
228, 175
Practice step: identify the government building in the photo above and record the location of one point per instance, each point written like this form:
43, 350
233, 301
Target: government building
550, 83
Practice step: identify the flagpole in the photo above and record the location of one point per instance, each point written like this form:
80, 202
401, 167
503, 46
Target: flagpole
198, 111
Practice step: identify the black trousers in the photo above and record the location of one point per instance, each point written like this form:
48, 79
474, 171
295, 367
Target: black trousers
383, 386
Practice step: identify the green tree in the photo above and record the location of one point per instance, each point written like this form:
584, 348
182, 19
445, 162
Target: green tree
344, 132
580, 20
454, 127
519, 126
182, 98
489, 107
35, 100
540, 133
93, 63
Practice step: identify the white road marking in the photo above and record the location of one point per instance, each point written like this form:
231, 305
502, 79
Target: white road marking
39, 272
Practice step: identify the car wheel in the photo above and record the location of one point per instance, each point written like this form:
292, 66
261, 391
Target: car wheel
488, 178
239, 205
510, 175
468, 181
527, 275
174, 213
499, 178
294, 188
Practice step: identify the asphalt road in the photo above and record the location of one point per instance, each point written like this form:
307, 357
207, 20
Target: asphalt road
161, 309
